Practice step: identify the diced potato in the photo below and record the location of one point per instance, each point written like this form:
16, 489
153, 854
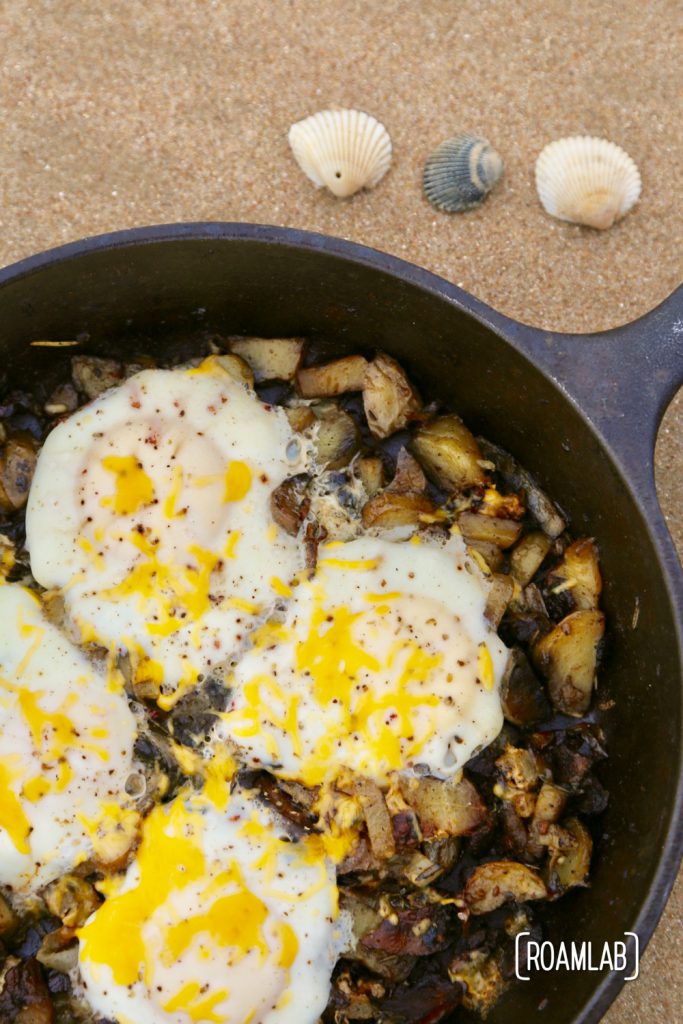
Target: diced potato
568, 657
377, 818
498, 599
59, 951
93, 375
270, 358
403, 502
550, 804
300, 417
449, 453
387, 510
290, 502
527, 556
370, 469
408, 477
337, 436
519, 774
493, 556
570, 862
444, 807
17, 466
518, 767
579, 574
389, 399
493, 884
522, 695
336, 378
480, 977
490, 529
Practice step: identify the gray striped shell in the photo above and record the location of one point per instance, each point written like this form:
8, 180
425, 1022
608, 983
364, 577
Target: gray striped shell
461, 173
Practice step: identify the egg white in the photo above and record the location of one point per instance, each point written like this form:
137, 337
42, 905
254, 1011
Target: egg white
150, 508
384, 661
66, 743
219, 918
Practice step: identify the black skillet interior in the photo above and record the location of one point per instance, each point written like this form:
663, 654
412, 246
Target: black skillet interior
131, 296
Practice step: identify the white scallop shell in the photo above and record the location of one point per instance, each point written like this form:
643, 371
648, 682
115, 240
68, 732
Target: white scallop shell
346, 150
587, 180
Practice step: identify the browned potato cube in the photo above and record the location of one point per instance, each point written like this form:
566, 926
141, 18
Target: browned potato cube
493, 884
93, 375
449, 453
579, 573
527, 556
270, 358
300, 417
389, 399
387, 510
492, 555
337, 438
370, 469
500, 592
444, 807
490, 529
571, 860
480, 976
408, 477
336, 378
548, 810
17, 466
568, 657
72, 899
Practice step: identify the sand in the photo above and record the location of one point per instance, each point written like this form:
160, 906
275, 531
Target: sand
116, 114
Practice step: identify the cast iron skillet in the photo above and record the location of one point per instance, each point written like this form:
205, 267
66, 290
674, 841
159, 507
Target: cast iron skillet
579, 412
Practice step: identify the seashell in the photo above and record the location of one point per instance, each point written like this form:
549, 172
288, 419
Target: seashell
346, 150
587, 181
461, 173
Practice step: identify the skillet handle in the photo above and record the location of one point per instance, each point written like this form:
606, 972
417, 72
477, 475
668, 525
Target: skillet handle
622, 379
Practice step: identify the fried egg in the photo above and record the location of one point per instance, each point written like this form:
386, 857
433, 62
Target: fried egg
66, 749
384, 661
150, 508
219, 918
